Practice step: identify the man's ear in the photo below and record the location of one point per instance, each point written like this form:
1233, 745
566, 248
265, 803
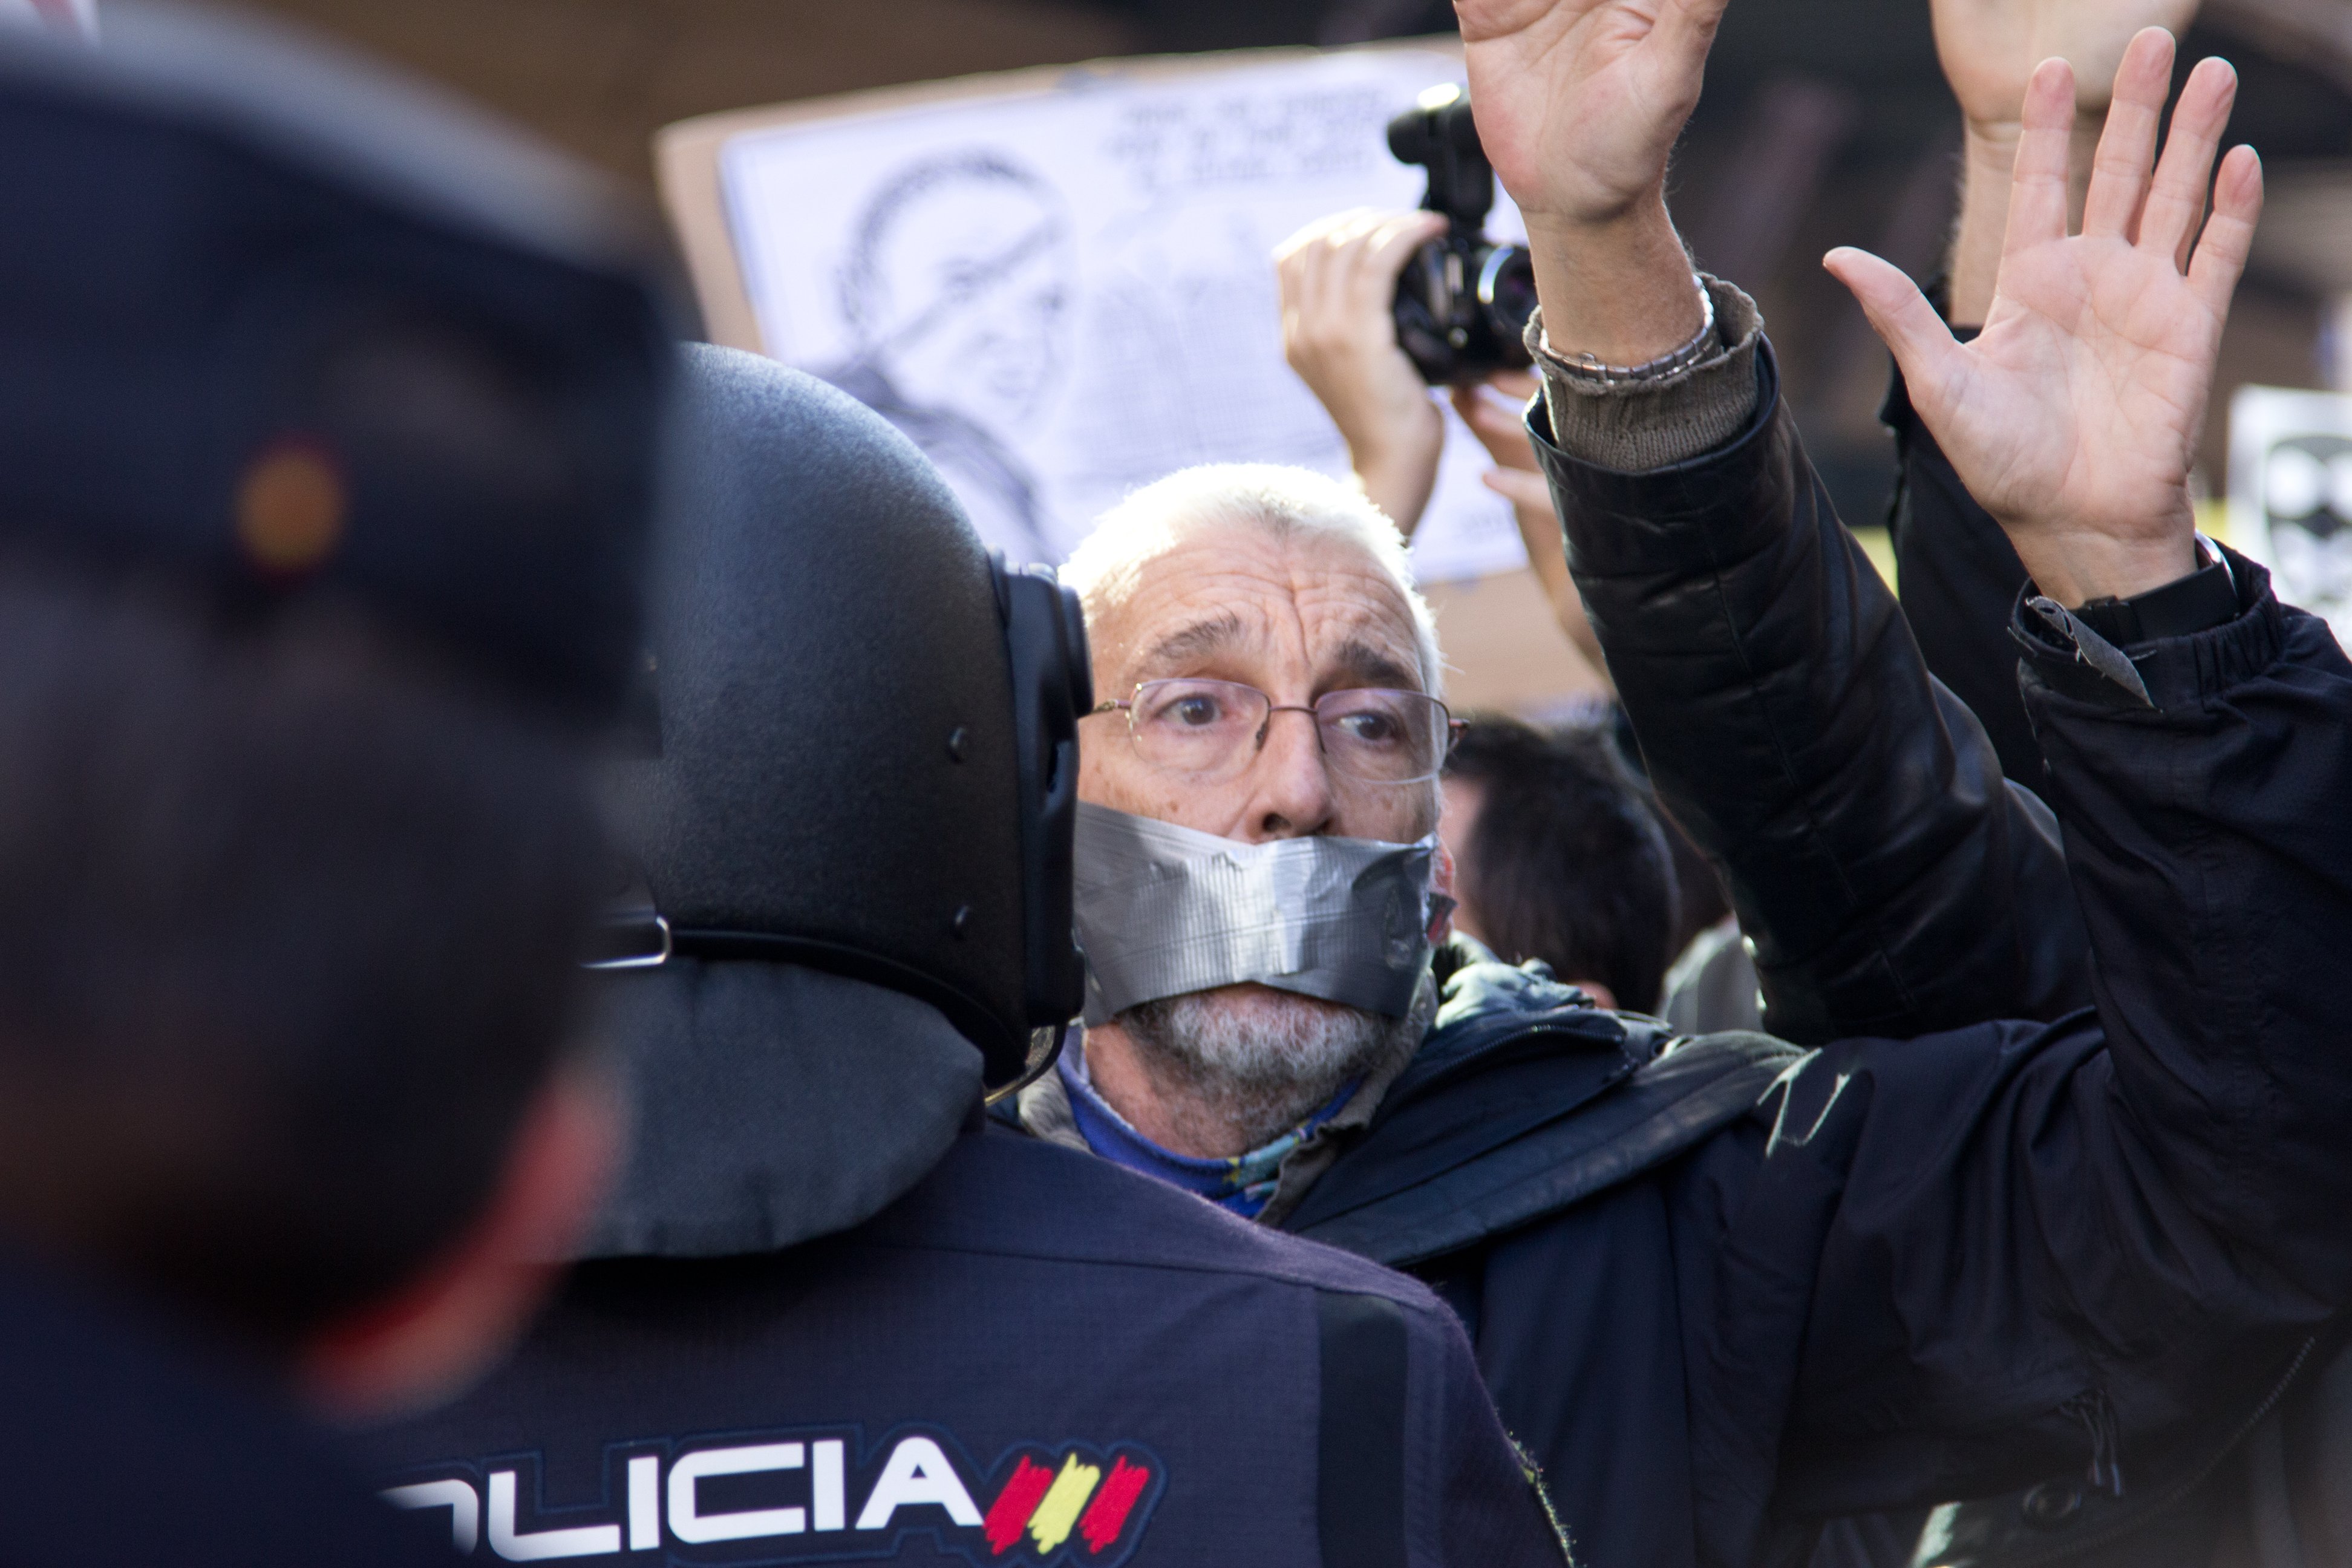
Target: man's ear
437, 1334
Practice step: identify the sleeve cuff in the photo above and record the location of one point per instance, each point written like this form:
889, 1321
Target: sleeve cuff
1646, 424
2170, 647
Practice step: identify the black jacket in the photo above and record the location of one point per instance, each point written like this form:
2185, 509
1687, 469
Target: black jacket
2262, 1486
1940, 1266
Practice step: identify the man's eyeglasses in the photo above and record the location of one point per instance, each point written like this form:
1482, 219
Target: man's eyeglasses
1211, 730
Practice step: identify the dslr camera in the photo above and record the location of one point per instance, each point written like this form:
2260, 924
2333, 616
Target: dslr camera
1463, 303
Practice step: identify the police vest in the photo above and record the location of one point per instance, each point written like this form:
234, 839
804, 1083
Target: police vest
1033, 1358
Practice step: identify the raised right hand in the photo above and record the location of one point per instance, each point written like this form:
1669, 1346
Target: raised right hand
2074, 417
1578, 101
1578, 104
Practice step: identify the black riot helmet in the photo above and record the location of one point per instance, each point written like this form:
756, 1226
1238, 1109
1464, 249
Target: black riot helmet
864, 727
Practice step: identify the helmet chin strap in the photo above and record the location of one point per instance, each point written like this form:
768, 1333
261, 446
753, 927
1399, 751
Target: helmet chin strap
1046, 1049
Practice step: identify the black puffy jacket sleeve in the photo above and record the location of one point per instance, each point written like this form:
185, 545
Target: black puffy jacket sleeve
1892, 881
1954, 1265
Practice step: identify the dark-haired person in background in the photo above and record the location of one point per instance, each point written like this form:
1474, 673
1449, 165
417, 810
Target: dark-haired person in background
322, 494
1558, 856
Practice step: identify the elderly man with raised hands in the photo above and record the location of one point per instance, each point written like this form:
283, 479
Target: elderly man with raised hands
1725, 1288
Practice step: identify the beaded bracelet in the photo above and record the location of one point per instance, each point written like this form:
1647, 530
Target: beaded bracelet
1703, 342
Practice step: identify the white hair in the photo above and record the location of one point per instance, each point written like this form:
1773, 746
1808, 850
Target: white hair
1280, 501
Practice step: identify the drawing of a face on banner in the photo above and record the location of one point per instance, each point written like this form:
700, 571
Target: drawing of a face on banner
961, 283
1064, 288
955, 295
2290, 494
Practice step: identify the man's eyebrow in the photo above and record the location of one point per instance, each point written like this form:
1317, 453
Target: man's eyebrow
1359, 660
1196, 641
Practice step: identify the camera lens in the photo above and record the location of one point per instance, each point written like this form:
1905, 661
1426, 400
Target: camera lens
1461, 304
1507, 298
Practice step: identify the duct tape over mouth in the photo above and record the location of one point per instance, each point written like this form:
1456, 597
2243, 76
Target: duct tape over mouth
1163, 910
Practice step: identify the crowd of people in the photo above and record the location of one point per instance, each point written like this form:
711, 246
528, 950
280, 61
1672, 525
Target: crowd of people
585, 974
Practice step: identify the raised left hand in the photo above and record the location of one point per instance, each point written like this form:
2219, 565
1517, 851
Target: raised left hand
2072, 419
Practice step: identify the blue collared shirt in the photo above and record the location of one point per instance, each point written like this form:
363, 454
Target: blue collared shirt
1243, 1184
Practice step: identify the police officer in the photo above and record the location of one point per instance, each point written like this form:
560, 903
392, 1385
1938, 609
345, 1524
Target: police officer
328, 442
835, 1311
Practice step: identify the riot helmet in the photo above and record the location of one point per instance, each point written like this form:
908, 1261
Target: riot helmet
864, 727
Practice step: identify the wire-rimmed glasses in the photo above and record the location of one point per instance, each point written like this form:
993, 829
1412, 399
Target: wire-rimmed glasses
1211, 730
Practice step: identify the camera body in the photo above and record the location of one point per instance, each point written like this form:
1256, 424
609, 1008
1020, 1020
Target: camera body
1463, 303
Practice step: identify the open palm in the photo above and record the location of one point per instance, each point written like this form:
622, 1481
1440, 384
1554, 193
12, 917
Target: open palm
1578, 101
2073, 417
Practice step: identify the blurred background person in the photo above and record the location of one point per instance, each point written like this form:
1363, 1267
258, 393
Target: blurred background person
323, 485
1558, 856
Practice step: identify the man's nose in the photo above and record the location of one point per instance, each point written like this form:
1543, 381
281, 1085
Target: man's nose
1291, 794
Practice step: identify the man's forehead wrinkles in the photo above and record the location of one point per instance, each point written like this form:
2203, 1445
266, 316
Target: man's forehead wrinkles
1321, 603
1202, 638
1352, 631
1349, 588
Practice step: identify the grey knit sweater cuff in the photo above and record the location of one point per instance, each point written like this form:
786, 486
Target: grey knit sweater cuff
1650, 423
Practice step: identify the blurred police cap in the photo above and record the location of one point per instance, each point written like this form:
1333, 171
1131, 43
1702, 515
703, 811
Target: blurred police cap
279, 323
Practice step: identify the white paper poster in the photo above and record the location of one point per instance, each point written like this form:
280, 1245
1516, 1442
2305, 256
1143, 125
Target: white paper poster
1061, 295
2291, 495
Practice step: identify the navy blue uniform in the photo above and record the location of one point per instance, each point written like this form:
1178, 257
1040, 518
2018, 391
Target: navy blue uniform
1033, 1357
119, 1448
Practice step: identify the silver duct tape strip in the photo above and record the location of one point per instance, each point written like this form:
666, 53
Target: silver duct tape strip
1163, 910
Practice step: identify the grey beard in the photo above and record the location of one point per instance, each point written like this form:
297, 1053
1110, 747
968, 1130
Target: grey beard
1262, 1061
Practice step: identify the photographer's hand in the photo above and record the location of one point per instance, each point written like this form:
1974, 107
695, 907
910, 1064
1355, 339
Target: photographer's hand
1989, 49
1578, 104
1501, 427
1339, 280
2073, 418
